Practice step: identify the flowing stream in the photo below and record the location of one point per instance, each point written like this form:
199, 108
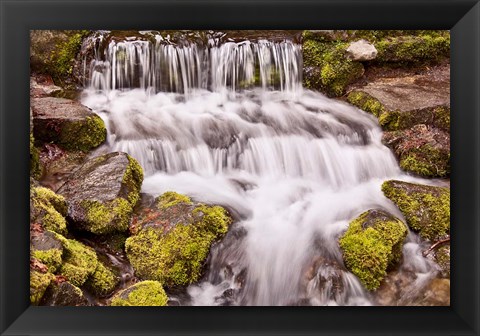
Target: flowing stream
227, 122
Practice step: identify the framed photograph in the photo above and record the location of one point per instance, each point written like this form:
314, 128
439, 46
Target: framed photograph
217, 167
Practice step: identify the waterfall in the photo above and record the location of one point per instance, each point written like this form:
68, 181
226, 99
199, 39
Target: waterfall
227, 122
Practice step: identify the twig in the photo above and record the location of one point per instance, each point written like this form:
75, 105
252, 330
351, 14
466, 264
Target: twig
443, 241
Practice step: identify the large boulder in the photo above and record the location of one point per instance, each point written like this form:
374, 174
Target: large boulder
103, 281
425, 208
101, 194
372, 244
145, 293
402, 102
423, 150
67, 123
48, 209
173, 238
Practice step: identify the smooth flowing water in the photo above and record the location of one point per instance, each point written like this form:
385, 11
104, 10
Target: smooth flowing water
229, 124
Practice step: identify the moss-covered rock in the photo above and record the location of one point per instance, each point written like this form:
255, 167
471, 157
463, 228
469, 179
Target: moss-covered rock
53, 52
79, 261
38, 285
422, 150
48, 209
173, 239
35, 167
442, 258
103, 281
327, 68
102, 193
414, 49
145, 293
372, 243
400, 104
46, 248
67, 123
426, 208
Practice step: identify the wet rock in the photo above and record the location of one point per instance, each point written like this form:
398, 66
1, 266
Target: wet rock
145, 293
422, 150
361, 50
402, 102
67, 123
325, 281
101, 194
46, 248
394, 288
426, 208
372, 244
63, 294
172, 238
48, 210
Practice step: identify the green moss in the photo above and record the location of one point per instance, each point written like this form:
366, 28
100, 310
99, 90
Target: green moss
52, 258
366, 103
133, 178
145, 293
413, 49
63, 57
107, 218
84, 134
103, 281
35, 167
215, 219
369, 251
79, 261
175, 258
336, 70
38, 284
49, 209
442, 257
426, 209
171, 198
427, 161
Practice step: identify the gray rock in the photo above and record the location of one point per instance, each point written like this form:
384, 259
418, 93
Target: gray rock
67, 123
361, 50
63, 294
101, 194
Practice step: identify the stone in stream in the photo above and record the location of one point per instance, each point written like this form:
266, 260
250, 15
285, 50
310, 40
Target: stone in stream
172, 238
101, 193
371, 245
67, 123
361, 50
423, 150
442, 258
103, 281
425, 208
402, 102
145, 293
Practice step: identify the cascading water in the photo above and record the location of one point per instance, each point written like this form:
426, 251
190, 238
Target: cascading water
229, 124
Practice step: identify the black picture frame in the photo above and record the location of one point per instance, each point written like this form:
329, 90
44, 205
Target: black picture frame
17, 17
